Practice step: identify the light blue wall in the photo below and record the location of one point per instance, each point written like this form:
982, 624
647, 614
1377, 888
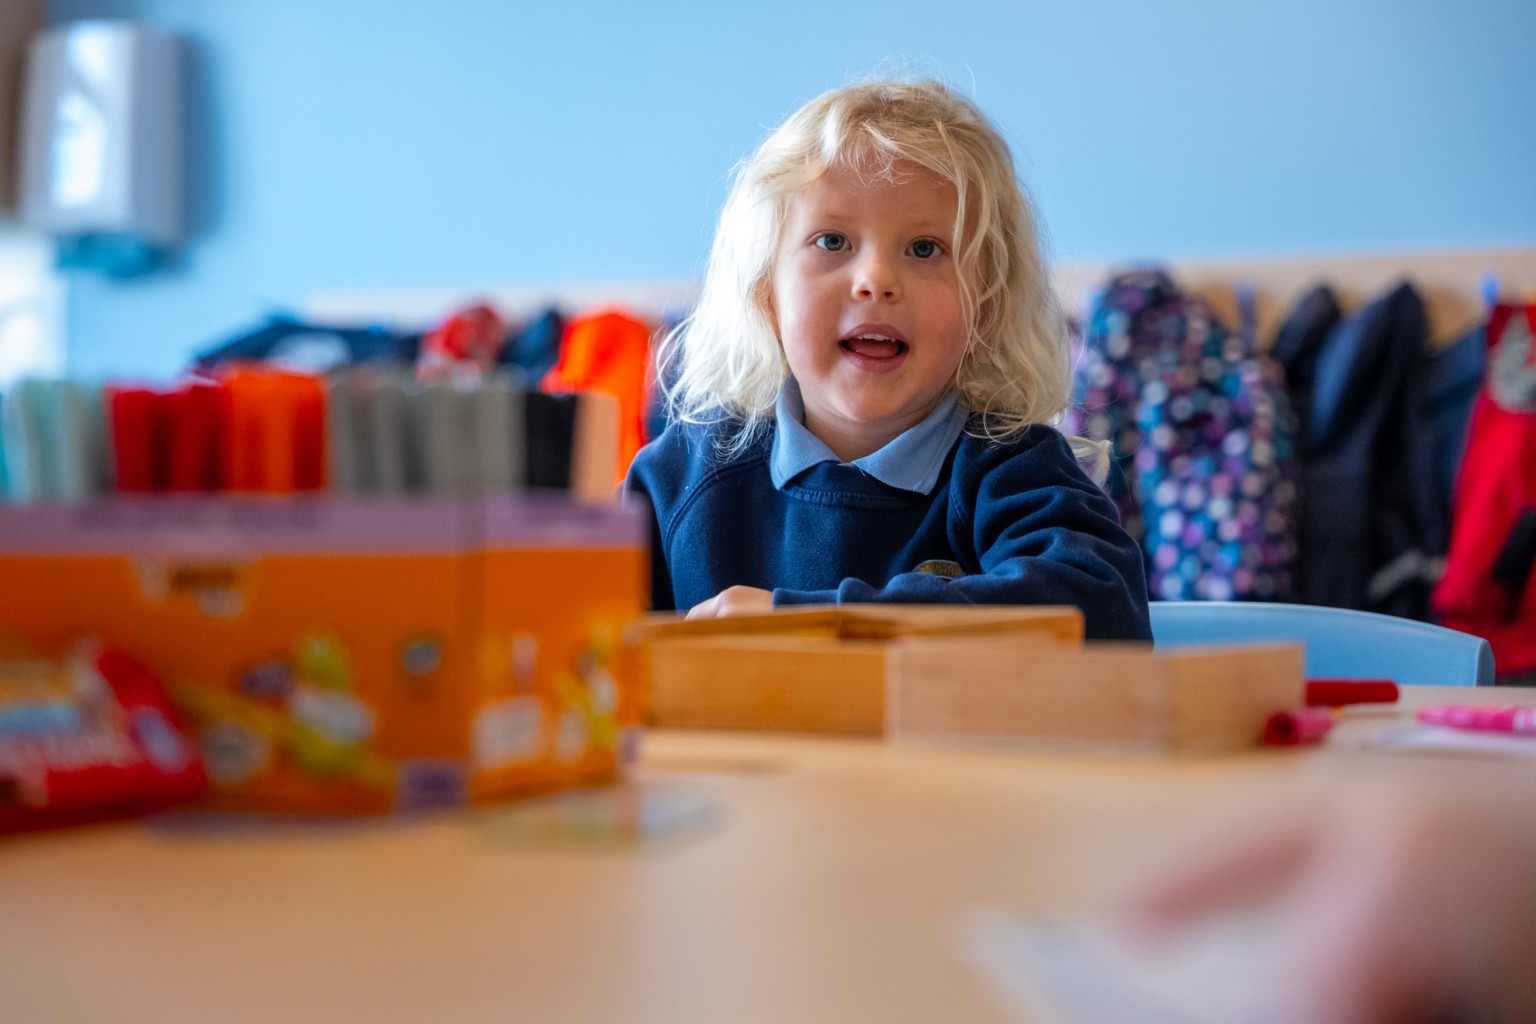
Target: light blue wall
402, 143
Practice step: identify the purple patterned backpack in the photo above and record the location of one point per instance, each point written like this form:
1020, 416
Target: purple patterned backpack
1203, 466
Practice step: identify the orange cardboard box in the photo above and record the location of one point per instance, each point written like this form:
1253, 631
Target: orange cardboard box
343, 655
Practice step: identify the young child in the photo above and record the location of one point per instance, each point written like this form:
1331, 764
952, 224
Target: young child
860, 402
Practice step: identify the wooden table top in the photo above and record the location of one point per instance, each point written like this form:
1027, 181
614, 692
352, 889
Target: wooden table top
779, 878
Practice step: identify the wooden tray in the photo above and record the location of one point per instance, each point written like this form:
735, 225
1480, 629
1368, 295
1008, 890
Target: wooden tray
968, 674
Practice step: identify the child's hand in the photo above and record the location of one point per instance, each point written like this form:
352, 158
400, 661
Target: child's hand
1408, 902
734, 601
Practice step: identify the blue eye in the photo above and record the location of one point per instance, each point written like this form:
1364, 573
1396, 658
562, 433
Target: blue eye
925, 248
832, 241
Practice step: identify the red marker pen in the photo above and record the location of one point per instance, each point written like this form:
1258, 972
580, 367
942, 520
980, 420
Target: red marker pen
1520, 721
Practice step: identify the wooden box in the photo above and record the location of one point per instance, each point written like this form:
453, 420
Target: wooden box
820, 668
967, 674
878, 622
1121, 695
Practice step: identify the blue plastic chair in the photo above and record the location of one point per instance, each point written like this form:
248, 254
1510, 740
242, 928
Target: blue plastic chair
1340, 643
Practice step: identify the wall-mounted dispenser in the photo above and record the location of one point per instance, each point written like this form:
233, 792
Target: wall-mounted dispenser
100, 156
20, 21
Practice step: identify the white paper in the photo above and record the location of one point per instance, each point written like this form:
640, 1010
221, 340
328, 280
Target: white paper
1085, 972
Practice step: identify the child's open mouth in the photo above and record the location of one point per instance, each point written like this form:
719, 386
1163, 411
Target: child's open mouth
873, 346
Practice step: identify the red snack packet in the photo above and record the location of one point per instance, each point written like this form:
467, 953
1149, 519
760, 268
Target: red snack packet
92, 736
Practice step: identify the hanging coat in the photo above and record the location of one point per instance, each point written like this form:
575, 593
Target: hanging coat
1367, 466
608, 352
1489, 588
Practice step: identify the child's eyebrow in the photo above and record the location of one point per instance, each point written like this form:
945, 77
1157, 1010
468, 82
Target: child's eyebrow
831, 218
932, 227
929, 229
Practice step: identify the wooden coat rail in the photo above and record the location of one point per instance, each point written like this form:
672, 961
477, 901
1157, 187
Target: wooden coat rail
1451, 282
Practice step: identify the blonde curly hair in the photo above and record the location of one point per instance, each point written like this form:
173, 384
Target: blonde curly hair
725, 362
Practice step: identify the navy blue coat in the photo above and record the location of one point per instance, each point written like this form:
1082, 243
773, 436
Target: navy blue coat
1371, 520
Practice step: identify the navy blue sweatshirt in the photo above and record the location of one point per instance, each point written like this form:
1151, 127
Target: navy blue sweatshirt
1010, 523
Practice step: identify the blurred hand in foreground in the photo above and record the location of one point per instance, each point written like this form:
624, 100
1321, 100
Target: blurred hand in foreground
1409, 900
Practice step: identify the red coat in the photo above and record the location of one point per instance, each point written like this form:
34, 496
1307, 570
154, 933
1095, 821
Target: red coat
1489, 587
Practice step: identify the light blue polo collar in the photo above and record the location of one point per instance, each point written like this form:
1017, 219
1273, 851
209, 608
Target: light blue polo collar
910, 462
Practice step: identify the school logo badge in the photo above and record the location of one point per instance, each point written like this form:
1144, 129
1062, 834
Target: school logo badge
941, 567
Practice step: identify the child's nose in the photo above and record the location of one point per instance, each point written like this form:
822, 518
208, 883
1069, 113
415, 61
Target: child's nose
875, 277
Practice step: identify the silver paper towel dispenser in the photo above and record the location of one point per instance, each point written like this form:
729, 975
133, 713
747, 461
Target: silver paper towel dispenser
100, 155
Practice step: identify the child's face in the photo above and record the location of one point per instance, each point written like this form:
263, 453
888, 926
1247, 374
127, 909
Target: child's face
867, 303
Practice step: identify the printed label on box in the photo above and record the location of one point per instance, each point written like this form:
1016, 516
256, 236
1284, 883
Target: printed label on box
508, 732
